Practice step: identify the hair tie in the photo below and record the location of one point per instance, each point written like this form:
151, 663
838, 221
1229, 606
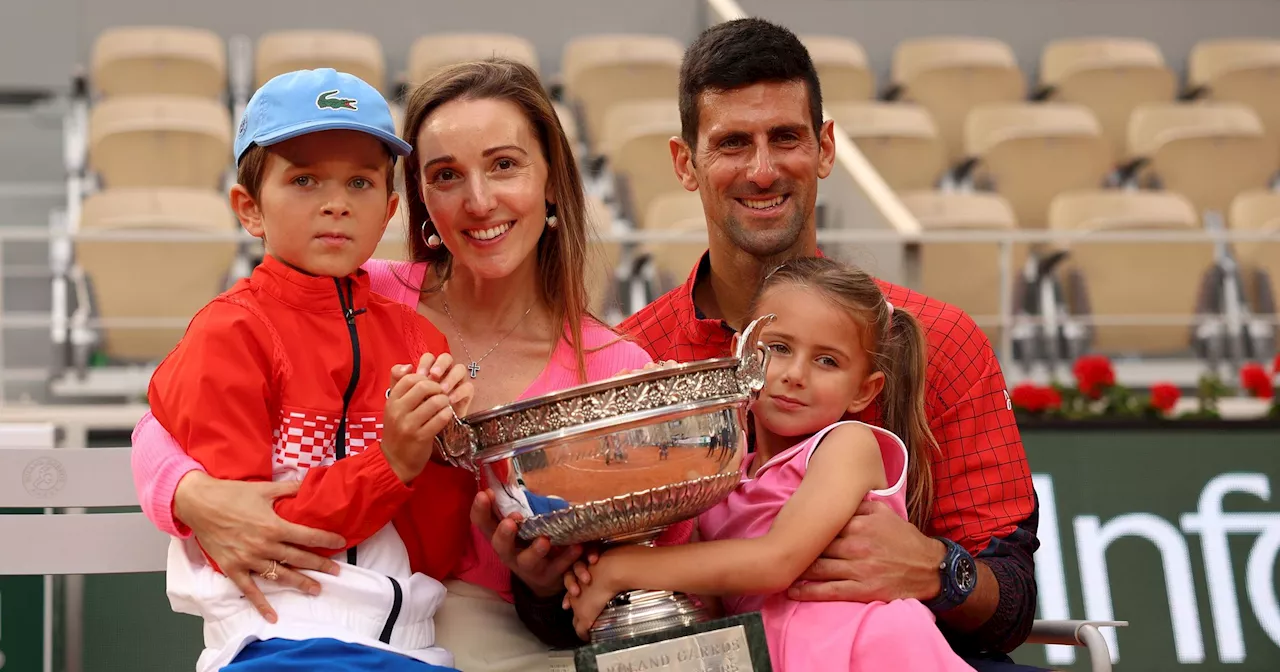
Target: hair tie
889, 306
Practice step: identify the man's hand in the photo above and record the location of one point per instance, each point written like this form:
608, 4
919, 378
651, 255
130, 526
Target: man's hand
878, 556
539, 565
236, 524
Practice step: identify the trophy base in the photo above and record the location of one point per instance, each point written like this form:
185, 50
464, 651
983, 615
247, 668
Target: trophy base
641, 612
734, 643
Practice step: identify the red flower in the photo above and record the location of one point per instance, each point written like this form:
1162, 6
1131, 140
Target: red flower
1094, 375
1256, 380
1275, 366
1164, 397
1035, 398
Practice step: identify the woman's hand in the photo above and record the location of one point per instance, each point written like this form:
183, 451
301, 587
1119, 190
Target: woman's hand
540, 565
236, 524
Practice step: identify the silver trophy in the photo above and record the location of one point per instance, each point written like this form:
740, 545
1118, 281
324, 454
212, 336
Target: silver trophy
618, 461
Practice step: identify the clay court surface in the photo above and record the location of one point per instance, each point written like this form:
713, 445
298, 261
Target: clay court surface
588, 480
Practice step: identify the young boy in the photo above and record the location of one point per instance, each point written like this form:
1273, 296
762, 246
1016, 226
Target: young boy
286, 376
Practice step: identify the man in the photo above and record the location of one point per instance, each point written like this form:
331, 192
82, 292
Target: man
754, 145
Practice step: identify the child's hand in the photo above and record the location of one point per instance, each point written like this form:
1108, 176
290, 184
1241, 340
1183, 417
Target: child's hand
589, 598
578, 574
417, 409
452, 378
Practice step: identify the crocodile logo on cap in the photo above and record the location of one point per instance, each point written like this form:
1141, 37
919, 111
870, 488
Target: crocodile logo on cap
329, 101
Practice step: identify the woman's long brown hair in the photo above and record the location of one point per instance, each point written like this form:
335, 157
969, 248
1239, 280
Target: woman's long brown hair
896, 345
562, 251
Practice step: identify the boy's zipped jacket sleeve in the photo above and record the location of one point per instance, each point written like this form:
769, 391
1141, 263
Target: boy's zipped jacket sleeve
216, 394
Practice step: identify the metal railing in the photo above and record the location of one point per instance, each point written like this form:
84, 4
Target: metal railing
76, 326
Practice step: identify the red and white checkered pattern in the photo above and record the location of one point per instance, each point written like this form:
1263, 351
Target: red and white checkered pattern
305, 440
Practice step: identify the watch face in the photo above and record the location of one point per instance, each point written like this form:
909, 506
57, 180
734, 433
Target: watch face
966, 574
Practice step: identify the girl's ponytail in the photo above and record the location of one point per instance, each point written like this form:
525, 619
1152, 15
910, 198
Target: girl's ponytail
902, 359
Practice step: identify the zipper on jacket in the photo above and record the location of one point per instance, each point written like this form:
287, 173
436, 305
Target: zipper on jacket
397, 601
346, 299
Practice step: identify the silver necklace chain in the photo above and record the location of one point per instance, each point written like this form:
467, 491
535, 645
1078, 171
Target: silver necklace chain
474, 366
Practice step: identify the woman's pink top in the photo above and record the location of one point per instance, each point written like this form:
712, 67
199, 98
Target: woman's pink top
159, 462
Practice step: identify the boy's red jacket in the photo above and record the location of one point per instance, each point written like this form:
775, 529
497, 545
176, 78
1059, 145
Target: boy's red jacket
285, 376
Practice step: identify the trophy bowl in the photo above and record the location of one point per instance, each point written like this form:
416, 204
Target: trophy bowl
618, 461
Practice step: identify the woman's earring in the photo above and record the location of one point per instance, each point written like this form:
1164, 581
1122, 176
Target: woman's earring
433, 241
552, 220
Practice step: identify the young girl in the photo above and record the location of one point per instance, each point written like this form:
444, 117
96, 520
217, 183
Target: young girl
836, 347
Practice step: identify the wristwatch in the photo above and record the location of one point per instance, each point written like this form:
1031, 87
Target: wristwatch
958, 573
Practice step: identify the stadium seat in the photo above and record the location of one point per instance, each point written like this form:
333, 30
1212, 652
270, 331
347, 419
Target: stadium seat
636, 141
359, 54
1110, 76
1239, 70
1031, 152
965, 274
602, 260
430, 53
194, 272
1259, 261
676, 210
34, 480
1209, 152
602, 70
145, 60
843, 70
951, 75
160, 141
899, 139
1115, 279
570, 125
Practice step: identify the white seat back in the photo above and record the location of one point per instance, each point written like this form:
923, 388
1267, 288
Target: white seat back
73, 543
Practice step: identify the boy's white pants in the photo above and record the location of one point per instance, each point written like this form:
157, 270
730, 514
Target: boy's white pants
484, 634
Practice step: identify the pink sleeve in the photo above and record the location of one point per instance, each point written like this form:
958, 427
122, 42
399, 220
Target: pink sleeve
158, 464
396, 280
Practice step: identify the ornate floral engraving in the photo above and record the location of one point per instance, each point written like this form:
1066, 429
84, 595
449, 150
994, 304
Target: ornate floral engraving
626, 514
604, 404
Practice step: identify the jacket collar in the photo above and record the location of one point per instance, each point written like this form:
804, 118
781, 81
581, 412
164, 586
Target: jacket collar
696, 326
311, 293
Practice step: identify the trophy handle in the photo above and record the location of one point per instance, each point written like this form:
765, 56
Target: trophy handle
753, 357
457, 444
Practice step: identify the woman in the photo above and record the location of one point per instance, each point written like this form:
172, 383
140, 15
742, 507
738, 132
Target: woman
498, 238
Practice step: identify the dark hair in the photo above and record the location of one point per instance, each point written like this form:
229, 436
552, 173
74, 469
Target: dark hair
562, 252
896, 345
739, 53
253, 166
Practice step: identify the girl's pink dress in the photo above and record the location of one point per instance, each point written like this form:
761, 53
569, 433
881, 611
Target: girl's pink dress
804, 636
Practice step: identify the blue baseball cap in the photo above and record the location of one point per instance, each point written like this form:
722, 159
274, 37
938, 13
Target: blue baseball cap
308, 101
